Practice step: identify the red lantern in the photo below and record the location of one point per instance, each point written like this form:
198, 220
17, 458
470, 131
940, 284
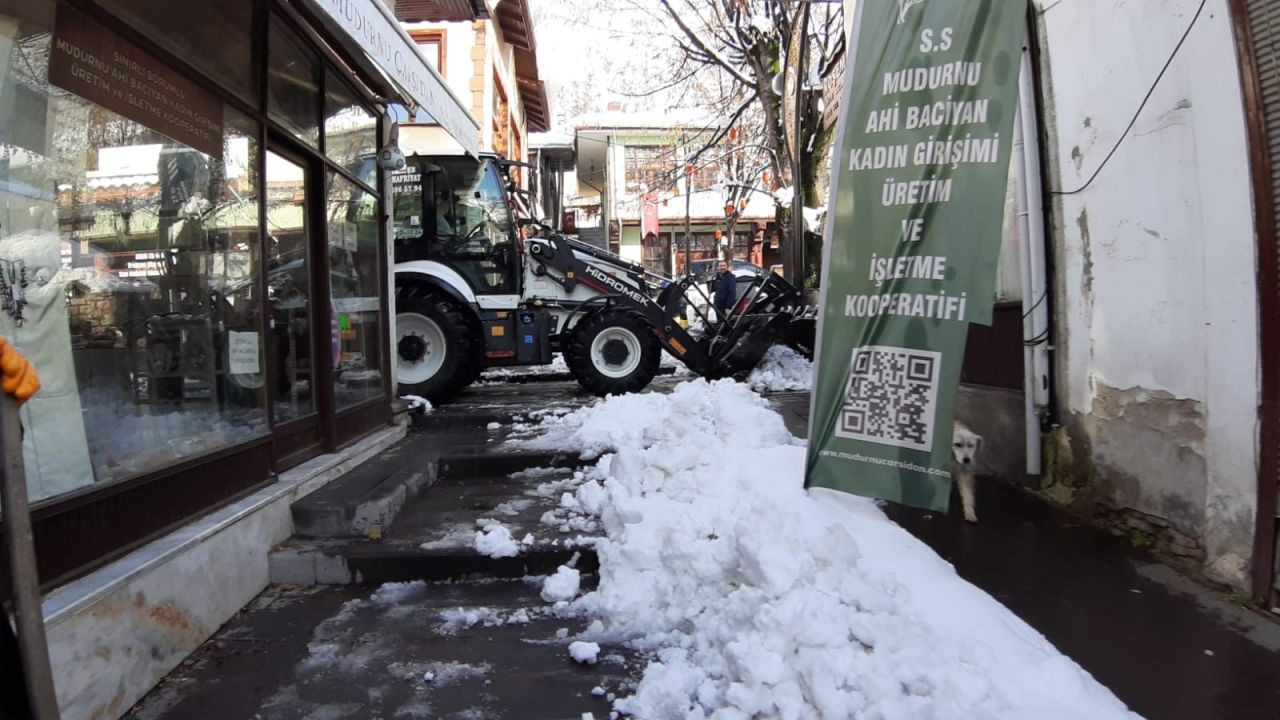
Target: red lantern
728, 209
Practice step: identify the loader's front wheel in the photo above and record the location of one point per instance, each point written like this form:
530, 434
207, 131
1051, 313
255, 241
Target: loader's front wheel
613, 351
436, 348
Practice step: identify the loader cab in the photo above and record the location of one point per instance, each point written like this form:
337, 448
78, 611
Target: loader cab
454, 210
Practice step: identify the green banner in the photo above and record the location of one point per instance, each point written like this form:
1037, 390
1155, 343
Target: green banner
913, 239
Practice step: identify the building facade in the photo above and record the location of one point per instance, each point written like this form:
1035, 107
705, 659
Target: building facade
1160, 279
486, 51
194, 257
641, 181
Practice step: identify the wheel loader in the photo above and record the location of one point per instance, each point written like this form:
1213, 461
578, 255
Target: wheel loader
476, 287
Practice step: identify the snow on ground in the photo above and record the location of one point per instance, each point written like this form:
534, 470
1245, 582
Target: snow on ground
584, 652
781, 368
494, 540
563, 585
679, 369
754, 598
451, 536
417, 404
557, 366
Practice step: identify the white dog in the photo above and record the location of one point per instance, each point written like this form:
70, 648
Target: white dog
965, 445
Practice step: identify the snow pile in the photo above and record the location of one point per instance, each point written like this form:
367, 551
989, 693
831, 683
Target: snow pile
756, 599
584, 652
393, 593
417, 404
784, 195
781, 368
561, 586
495, 541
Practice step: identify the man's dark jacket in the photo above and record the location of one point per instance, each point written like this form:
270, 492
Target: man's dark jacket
726, 292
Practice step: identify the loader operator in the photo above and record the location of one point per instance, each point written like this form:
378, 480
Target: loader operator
726, 290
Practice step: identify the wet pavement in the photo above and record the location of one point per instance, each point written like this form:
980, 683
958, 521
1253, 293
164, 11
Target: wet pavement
1166, 645
461, 651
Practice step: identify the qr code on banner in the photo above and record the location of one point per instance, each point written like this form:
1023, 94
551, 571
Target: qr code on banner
891, 397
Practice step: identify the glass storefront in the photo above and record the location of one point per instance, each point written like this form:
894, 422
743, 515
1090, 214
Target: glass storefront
352, 216
162, 268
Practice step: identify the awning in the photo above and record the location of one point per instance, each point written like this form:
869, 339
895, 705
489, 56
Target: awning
370, 31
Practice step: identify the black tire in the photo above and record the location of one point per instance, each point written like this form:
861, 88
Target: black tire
624, 360
418, 306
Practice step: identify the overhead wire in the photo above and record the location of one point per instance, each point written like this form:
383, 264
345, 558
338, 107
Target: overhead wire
1143, 104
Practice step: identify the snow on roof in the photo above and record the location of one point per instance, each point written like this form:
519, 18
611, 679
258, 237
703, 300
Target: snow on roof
645, 120
550, 139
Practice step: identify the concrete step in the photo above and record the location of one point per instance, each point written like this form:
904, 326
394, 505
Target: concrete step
432, 537
368, 562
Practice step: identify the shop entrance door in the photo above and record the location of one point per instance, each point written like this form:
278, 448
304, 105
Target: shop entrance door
292, 294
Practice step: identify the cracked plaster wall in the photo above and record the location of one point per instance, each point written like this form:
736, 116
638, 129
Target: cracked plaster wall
1156, 315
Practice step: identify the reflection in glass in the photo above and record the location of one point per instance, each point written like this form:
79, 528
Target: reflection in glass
288, 289
350, 129
293, 90
352, 216
214, 37
132, 261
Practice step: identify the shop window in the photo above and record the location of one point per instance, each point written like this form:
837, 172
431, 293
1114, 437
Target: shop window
350, 129
352, 217
128, 257
289, 290
293, 83
216, 38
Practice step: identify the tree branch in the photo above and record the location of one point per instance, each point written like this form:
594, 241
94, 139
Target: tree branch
710, 53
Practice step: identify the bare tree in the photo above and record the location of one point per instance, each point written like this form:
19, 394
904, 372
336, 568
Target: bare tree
729, 55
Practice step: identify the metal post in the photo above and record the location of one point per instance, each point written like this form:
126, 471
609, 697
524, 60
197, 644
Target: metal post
24, 579
688, 241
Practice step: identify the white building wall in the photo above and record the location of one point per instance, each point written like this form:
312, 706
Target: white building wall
1156, 298
459, 39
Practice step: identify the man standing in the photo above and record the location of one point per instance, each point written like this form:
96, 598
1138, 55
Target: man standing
726, 290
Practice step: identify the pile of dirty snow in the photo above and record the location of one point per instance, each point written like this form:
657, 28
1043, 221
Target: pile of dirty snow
753, 598
780, 369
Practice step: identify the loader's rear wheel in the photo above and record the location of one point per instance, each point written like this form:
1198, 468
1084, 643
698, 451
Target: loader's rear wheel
613, 351
436, 348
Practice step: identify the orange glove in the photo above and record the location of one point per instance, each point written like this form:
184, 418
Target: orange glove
19, 377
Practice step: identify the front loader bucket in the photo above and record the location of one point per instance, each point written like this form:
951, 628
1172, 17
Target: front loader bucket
747, 343
773, 316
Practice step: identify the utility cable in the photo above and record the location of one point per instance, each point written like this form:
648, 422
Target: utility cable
1142, 105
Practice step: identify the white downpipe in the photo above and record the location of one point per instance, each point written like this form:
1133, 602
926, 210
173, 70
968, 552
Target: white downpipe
1035, 312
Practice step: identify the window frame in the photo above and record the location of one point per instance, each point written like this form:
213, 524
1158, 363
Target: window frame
437, 37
